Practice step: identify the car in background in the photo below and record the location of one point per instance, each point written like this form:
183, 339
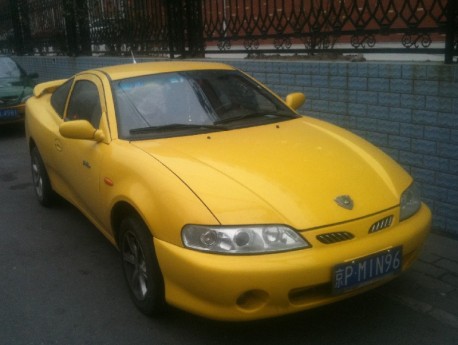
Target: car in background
16, 87
221, 198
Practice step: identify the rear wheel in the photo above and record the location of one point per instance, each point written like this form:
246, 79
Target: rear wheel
140, 266
43, 189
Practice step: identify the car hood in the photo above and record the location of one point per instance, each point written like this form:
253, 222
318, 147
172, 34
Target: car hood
290, 172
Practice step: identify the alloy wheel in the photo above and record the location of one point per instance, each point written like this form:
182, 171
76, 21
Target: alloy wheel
135, 265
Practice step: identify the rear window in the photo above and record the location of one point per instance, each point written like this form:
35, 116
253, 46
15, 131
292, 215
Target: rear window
59, 97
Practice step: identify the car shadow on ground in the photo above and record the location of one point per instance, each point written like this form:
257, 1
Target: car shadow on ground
11, 130
331, 324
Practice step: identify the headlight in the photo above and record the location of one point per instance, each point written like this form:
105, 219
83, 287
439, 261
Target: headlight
410, 202
242, 239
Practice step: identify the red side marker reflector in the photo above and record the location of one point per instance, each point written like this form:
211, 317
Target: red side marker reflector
108, 182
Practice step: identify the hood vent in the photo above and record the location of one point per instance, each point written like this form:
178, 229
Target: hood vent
334, 237
381, 224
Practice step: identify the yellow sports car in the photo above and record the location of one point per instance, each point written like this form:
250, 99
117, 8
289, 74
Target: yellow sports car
221, 199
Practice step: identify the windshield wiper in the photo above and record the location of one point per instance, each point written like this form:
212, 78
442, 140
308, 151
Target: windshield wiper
255, 114
176, 126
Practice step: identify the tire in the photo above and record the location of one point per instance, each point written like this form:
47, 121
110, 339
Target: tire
41, 183
140, 266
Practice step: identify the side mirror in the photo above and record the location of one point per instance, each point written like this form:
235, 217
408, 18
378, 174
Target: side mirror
81, 129
295, 100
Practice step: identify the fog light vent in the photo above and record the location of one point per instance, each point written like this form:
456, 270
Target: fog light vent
334, 237
381, 224
252, 300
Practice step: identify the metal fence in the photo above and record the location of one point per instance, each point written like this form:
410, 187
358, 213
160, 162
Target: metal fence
198, 27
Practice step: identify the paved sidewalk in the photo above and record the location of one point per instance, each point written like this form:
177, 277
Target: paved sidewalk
431, 285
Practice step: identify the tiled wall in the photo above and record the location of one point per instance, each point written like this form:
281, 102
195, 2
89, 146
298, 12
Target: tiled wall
410, 110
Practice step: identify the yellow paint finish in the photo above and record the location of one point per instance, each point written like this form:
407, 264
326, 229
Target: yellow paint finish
211, 284
289, 173
47, 87
163, 201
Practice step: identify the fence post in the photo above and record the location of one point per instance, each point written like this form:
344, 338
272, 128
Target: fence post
77, 27
70, 27
21, 28
184, 24
84, 34
175, 27
452, 30
194, 28
18, 40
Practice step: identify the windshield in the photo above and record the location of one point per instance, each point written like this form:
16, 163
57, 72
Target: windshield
9, 69
183, 103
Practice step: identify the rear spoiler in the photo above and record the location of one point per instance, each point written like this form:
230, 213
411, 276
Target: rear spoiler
50, 86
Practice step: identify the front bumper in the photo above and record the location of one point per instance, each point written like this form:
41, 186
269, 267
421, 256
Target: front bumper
12, 114
228, 287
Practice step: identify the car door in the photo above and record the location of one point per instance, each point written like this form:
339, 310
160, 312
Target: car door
78, 161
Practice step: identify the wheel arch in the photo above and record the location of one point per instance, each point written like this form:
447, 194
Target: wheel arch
31, 144
120, 211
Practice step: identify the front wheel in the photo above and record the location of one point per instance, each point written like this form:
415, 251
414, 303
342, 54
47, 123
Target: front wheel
140, 266
43, 189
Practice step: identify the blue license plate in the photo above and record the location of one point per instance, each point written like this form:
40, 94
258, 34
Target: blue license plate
364, 271
9, 113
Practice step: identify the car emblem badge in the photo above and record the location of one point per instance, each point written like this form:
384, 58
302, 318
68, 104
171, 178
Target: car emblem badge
344, 201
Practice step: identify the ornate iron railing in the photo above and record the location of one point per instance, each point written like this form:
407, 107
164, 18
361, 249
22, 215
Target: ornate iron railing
196, 27
319, 25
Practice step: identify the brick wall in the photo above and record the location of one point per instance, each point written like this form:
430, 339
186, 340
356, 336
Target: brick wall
410, 110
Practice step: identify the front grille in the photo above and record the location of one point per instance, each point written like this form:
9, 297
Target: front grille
6, 100
334, 237
381, 224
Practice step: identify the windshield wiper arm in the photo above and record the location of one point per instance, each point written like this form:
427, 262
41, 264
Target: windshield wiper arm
176, 126
255, 114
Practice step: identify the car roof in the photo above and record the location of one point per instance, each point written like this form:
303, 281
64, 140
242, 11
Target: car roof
147, 68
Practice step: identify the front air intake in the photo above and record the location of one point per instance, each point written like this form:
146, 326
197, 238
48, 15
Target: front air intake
334, 237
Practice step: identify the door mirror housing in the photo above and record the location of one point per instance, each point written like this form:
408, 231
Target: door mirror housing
295, 100
81, 129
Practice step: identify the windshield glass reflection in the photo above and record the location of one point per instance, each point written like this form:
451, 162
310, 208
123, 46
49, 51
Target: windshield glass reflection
201, 99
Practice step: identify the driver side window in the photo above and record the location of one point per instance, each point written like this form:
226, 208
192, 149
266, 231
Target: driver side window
85, 103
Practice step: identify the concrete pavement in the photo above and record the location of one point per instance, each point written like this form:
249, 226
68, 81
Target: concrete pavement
431, 285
